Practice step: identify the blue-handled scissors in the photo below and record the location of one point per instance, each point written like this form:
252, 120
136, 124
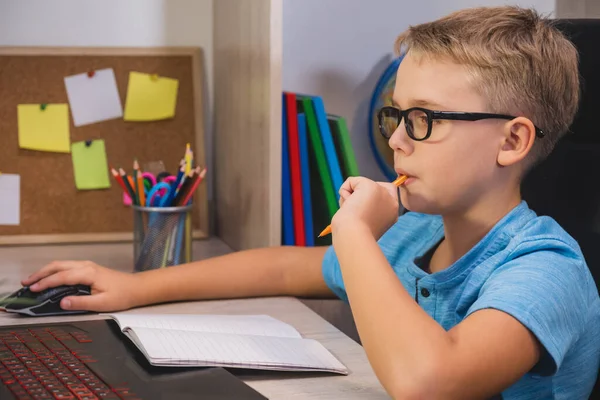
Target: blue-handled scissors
155, 199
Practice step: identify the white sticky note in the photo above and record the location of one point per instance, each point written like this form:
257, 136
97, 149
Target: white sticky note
93, 99
10, 199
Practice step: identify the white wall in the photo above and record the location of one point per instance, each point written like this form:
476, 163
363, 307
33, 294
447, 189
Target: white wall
333, 48
578, 8
114, 23
109, 23
339, 48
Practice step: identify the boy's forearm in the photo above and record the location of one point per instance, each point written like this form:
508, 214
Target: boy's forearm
402, 341
294, 271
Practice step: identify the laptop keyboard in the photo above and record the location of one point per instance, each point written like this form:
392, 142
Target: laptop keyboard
49, 363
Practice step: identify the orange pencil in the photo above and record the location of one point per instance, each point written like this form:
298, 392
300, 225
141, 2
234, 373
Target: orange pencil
128, 182
399, 181
140, 186
139, 182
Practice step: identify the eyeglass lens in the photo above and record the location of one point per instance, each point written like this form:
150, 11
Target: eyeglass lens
416, 124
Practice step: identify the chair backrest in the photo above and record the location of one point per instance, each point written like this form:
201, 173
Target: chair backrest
566, 186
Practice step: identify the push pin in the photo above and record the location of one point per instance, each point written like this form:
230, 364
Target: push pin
154, 77
43, 106
88, 143
91, 73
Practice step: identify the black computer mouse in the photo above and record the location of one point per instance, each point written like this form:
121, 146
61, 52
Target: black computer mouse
46, 302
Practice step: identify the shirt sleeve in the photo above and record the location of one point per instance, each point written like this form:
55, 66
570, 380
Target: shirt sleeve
547, 292
412, 233
332, 274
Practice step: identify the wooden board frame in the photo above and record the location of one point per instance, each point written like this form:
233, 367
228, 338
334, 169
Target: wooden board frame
201, 207
248, 49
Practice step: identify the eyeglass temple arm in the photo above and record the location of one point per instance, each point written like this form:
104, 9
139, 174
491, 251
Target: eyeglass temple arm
466, 116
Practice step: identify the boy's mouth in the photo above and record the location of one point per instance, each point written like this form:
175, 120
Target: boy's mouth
401, 172
409, 178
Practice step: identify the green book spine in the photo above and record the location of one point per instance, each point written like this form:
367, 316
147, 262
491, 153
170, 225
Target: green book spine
319, 152
348, 149
343, 144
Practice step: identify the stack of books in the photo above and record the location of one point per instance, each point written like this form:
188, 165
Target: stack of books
317, 156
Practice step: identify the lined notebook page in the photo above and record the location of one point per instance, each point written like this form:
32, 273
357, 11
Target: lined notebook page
260, 325
174, 347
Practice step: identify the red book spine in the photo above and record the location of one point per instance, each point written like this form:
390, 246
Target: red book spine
295, 171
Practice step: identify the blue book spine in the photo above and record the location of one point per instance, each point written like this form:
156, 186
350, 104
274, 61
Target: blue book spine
286, 189
330, 153
305, 171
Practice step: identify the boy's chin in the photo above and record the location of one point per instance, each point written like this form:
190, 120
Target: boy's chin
420, 206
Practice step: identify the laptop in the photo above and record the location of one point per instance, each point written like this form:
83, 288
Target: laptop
93, 360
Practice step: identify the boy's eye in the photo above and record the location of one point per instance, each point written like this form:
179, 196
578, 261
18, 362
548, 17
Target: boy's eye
420, 119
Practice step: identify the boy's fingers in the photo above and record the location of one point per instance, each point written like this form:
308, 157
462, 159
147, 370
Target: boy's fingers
391, 189
354, 181
349, 186
66, 277
94, 302
52, 268
43, 272
343, 197
345, 189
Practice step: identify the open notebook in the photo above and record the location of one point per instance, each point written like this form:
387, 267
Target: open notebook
234, 341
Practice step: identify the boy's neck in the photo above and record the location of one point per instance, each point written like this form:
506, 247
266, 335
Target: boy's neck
464, 230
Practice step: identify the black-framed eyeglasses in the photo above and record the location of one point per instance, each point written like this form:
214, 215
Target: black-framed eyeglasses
418, 121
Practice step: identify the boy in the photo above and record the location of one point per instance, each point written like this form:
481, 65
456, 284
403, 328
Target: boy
469, 295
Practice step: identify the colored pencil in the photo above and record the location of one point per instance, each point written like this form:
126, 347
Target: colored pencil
188, 159
189, 180
141, 189
199, 178
179, 239
119, 180
136, 170
127, 183
133, 188
180, 174
188, 237
175, 185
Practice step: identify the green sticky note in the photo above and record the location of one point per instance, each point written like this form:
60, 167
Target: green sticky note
90, 166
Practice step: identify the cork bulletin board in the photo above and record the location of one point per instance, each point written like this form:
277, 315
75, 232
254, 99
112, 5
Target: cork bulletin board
52, 209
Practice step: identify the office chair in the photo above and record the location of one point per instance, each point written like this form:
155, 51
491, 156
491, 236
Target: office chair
566, 186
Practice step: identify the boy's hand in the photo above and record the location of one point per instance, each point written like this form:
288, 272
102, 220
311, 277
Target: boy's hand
368, 203
111, 290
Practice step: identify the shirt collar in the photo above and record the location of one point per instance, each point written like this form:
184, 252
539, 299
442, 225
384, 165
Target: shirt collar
495, 240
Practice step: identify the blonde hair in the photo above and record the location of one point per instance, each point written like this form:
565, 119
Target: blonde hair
520, 63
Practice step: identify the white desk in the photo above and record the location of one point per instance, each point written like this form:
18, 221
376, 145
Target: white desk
361, 383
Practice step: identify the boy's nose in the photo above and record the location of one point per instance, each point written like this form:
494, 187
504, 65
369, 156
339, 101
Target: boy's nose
400, 141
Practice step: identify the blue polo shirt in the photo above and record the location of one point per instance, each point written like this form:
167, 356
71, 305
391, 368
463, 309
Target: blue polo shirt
526, 266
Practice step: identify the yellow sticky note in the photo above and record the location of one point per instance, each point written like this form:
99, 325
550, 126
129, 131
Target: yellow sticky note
44, 128
90, 166
150, 98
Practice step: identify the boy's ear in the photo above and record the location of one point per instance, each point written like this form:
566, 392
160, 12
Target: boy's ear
518, 140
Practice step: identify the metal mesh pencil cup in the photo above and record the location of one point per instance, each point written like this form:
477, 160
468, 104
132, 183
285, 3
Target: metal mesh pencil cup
162, 236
